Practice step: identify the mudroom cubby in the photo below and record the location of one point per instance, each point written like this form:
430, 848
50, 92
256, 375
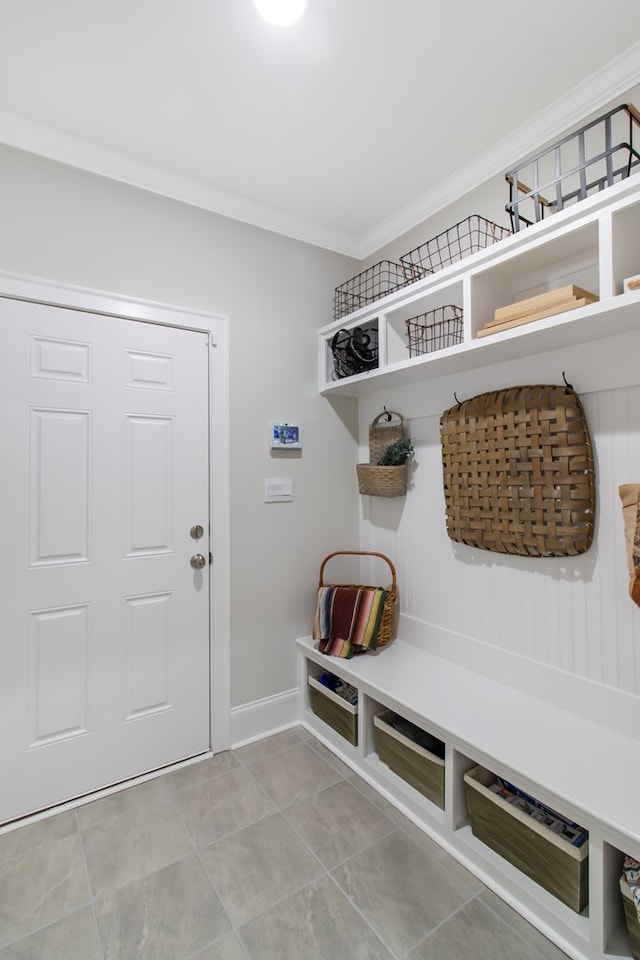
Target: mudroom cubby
625, 227
482, 722
590, 245
414, 756
541, 843
571, 257
424, 310
328, 702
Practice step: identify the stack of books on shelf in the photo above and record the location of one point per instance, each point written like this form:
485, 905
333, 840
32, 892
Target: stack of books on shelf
536, 308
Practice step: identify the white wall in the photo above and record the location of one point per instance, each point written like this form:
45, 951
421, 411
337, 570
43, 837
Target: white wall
64, 225
570, 614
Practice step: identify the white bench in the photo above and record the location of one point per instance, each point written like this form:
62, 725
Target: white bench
581, 761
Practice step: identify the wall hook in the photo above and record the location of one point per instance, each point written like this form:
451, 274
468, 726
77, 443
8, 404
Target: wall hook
388, 415
568, 385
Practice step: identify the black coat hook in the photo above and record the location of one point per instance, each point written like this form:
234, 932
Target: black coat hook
568, 385
388, 415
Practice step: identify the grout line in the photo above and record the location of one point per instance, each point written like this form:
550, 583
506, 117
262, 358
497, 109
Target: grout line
441, 923
515, 930
92, 898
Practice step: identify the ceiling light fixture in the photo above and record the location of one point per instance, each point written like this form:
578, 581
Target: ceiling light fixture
282, 13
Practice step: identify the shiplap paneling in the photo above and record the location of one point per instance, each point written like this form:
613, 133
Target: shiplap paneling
572, 614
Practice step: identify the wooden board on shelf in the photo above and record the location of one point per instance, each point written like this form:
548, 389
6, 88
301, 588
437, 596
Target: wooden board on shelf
542, 301
490, 328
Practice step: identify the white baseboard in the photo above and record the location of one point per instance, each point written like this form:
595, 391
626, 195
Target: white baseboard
252, 721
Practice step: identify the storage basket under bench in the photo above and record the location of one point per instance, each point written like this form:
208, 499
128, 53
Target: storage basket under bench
552, 861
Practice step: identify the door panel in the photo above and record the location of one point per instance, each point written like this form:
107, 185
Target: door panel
104, 625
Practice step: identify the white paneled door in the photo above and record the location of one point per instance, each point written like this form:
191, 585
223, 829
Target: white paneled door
104, 622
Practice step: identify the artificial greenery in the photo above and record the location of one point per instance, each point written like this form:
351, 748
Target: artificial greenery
397, 453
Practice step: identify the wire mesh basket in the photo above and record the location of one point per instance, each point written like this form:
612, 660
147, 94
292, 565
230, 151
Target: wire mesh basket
439, 328
464, 238
372, 284
596, 156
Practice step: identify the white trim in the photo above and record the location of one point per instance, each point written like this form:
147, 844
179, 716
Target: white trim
261, 718
46, 141
22, 287
601, 88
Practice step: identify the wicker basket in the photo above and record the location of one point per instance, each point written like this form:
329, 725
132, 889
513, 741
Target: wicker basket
376, 481
387, 621
518, 472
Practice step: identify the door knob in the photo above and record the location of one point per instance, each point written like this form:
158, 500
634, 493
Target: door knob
198, 561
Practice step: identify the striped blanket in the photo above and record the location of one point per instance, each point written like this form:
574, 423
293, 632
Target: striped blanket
347, 619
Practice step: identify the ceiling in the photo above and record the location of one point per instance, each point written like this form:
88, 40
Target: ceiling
344, 130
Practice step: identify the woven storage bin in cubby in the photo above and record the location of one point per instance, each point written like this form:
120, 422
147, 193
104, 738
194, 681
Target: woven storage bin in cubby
336, 712
410, 761
540, 853
377, 481
631, 918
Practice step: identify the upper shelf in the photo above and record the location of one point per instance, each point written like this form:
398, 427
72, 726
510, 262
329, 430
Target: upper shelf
592, 245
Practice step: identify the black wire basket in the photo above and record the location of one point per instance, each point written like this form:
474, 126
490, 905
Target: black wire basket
372, 284
596, 156
464, 238
435, 330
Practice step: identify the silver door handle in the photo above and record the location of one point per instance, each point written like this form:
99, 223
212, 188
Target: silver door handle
198, 561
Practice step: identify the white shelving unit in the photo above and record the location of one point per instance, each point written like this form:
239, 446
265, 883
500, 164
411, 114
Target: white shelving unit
581, 768
593, 244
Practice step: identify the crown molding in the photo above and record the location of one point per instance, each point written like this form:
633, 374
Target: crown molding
612, 81
45, 141
602, 87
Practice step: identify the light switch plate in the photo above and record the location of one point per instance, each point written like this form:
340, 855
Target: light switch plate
278, 489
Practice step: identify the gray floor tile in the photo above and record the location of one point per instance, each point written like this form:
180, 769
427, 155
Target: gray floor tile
269, 821
401, 890
317, 923
229, 948
109, 809
26, 839
133, 845
169, 915
343, 769
391, 812
293, 774
269, 745
545, 947
43, 880
255, 867
199, 772
72, 938
337, 823
474, 933
213, 809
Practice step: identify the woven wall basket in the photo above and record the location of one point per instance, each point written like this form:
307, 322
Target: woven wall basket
518, 472
378, 481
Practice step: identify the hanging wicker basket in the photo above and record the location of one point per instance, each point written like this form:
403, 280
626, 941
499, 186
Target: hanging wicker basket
376, 481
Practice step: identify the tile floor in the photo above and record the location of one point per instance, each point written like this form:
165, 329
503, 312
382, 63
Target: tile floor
275, 851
